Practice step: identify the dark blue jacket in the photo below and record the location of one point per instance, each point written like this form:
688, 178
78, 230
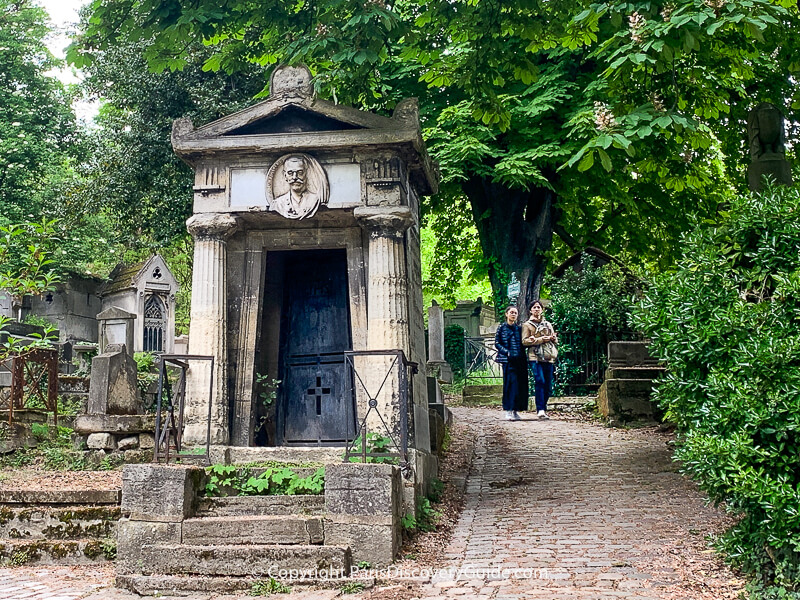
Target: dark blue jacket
508, 341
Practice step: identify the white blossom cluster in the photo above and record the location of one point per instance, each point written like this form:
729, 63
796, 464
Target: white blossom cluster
603, 117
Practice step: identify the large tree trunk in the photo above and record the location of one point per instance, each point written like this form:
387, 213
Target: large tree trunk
516, 229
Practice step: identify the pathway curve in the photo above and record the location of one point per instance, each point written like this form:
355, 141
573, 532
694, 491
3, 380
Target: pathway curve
570, 509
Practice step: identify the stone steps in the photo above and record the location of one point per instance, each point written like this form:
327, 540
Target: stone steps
56, 552
181, 585
231, 506
31, 522
477, 395
569, 403
254, 560
245, 530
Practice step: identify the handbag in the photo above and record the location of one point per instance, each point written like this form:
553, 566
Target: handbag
547, 352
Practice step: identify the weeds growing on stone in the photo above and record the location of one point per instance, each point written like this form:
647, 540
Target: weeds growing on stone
267, 587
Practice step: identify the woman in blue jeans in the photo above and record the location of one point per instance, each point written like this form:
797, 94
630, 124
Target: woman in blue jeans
539, 336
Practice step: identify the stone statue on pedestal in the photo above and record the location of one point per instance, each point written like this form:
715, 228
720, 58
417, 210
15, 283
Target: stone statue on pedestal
767, 137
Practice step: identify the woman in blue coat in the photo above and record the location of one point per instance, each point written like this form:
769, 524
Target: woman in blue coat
511, 355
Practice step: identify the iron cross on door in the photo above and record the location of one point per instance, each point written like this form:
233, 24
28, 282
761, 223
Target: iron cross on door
317, 393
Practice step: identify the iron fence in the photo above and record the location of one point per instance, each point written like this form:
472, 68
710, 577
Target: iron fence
580, 368
362, 448
171, 404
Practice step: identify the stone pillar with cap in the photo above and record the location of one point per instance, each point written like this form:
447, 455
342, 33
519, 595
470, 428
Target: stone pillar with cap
208, 331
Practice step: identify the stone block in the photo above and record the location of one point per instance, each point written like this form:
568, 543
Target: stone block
101, 441
626, 400
375, 540
160, 492
629, 354
437, 429
113, 388
122, 424
132, 536
255, 560
128, 443
147, 441
362, 489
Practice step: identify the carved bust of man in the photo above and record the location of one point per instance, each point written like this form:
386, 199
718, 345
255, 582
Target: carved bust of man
307, 188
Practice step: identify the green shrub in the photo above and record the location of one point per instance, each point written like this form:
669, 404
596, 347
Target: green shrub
454, 349
727, 323
228, 480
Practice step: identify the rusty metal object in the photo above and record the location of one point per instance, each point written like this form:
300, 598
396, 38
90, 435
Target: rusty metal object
29, 371
405, 371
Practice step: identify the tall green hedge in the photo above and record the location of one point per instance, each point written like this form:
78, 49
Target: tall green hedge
727, 324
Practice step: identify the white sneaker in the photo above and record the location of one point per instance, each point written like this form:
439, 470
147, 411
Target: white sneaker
516, 416
543, 415
509, 415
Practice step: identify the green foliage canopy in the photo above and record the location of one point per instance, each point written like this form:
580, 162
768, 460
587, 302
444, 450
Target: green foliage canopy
37, 126
609, 124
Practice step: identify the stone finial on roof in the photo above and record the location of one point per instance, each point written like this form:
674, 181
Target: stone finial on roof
289, 80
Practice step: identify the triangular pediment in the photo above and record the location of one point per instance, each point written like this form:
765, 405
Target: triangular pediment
293, 119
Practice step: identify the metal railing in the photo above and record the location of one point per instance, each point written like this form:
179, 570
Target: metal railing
171, 405
34, 383
480, 361
359, 448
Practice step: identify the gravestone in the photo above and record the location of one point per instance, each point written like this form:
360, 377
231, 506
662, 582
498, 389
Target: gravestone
112, 387
147, 291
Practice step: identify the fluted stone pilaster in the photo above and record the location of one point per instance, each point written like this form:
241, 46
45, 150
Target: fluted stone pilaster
208, 328
387, 301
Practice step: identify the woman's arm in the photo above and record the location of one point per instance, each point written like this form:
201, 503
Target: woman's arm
527, 335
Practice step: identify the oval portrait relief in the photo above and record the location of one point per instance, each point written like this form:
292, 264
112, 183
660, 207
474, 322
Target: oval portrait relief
296, 186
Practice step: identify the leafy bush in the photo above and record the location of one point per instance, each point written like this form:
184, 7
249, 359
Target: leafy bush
454, 349
589, 309
592, 302
727, 323
376, 444
235, 480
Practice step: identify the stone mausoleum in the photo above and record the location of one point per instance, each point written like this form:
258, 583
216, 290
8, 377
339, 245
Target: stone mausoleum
307, 246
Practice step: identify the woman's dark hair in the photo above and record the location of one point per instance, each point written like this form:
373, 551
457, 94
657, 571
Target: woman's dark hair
534, 303
508, 308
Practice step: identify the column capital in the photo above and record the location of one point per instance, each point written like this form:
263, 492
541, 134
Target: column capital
384, 222
212, 225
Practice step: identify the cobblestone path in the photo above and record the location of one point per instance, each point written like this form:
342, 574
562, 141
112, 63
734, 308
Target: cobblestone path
558, 509
581, 512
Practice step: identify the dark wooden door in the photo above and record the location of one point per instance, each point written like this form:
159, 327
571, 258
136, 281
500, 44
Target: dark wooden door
315, 333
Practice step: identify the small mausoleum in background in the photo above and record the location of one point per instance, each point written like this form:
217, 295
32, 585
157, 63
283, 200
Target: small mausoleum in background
147, 290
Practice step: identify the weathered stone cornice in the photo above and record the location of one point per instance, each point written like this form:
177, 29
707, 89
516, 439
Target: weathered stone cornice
219, 226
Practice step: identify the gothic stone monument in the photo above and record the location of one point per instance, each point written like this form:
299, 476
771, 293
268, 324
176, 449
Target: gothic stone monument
306, 228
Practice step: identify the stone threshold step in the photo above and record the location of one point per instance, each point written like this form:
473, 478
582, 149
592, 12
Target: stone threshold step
56, 552
244, 529
242, 560
188, 585
261, 505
